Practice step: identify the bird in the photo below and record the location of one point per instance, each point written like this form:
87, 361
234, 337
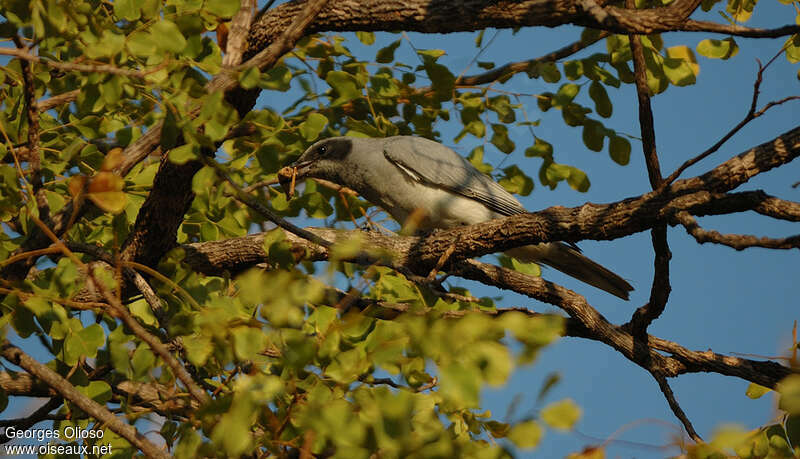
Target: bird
424, 184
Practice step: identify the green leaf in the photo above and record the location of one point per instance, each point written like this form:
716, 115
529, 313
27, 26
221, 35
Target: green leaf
250, 78
526, 434
142, 310
679, 72
594, 134
755, 391
502, 106
99, 391
184, 153
222, 8
718, 49
531, 269
602, 103
789, 388
128, 9
516, 181
573, 69
386, 55
84, 343
367, 38
793, 430
561, 415
540, 148
441, 77
566, 93
168, 36
501, 140
198, 349
793, 48
578, 180
550, 382
312, 126
142, 43
345, 85
248, 342
460, 384
277, 78
142, 361
620, 150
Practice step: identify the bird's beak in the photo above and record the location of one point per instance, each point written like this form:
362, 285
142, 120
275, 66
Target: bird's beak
291, 174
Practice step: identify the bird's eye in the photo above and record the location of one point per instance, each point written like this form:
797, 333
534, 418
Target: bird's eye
322, 150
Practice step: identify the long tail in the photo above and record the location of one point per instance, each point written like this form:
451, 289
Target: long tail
573, 263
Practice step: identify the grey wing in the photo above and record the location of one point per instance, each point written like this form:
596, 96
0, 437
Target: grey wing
434, 164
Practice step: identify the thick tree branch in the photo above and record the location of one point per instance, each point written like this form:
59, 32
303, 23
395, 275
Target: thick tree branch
436, 16
16, 356
237, 38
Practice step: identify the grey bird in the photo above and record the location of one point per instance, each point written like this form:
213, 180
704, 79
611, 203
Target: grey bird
423, 183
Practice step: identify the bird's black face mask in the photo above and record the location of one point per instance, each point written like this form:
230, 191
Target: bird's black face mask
318, 161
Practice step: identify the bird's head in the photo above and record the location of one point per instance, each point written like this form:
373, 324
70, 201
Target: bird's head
325, 160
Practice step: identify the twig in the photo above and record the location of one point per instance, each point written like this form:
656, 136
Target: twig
16, 356
73, 67
676, 408
512, 68
691, 25
735, 241
750, 116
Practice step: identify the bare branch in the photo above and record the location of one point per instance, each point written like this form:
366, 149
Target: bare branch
739, 30
660, 288
736, 241
506, 71
24, 55
16, 356
750, 116
676, 408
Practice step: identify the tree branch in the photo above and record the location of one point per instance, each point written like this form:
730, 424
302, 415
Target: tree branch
660, 288
16, 356
32, 114
750, 116
237, 38
736, 241
25, 56
676, 408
